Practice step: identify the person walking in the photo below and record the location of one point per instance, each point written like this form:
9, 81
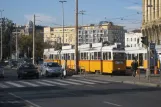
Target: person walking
134, 66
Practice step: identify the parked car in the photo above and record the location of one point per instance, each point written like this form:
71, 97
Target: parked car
50, 69
27, 70
1, 72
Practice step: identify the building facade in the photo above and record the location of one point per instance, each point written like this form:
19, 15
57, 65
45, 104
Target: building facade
102, 33
86, 34
151, 22
133, 40
56, 35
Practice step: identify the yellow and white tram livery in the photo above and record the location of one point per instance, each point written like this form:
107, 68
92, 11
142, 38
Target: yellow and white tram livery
93, 58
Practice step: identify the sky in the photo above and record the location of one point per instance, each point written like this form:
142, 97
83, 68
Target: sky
127, 13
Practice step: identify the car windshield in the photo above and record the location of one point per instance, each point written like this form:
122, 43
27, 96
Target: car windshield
28, 66
53, 65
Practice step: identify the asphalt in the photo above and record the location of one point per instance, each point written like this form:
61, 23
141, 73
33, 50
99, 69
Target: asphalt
110, 94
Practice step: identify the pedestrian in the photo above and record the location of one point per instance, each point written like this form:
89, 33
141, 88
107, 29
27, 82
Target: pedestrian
134, 66
63, 75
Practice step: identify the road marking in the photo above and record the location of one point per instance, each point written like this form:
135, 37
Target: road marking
3, 86
112, 104
15, 84
44, 83
96, 81
28, 83
69, 82
81, 81
27, 101
52, 82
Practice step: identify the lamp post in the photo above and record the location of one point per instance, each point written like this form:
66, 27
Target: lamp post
1, 36
62, 1
76, 39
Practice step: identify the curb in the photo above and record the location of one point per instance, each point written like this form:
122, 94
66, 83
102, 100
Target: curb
136, 83
142, 83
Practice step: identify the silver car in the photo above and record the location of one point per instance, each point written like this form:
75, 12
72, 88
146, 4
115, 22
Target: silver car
50, 69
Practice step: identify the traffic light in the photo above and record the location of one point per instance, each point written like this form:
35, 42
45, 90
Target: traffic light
144, 40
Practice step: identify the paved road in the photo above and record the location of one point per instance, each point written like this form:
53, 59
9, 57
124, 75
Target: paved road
74, 91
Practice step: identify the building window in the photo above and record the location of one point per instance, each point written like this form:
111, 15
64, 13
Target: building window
138, 40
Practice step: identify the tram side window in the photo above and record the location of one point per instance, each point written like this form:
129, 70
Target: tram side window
92, 56
95, 56
129, 57
99, 55
105, 56
145, 56
133, 55
72, 56
68, 56
62, 57
85, 56
82, 57
109, 55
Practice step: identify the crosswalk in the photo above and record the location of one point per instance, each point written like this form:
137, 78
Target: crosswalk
49, 82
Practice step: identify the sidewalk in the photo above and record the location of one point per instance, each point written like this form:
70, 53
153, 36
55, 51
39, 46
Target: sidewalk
154, 81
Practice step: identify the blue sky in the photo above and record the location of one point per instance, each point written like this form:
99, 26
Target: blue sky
50, 11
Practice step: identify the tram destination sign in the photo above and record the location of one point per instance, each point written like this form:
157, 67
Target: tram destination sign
152, 46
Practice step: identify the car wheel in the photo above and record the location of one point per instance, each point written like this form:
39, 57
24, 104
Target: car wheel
46, 74
37, 76
19, 77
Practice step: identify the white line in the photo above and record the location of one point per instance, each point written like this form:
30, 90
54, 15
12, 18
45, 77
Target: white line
3, 86
15, 84
27, 101
28, 83
43, 83
96, 81
112, 104
69, 82
81, 81
52, 82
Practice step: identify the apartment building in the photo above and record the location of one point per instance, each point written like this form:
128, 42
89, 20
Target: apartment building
133, 40
56, 35
106, 31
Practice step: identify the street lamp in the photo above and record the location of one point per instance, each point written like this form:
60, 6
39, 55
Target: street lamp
62, 1
1, 35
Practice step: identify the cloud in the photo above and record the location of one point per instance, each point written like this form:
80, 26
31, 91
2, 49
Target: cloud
138, 8
41, 18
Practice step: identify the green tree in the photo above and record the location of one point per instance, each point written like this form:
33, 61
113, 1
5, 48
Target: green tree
7, 27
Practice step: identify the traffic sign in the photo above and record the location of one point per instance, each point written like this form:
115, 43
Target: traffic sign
152, 46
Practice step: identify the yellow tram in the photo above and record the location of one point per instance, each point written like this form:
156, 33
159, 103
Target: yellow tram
92, 58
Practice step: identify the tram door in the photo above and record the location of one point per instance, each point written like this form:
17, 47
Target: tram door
141, 59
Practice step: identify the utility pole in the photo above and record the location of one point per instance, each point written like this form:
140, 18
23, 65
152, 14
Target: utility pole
63, 17
1, 36
33, 56
76, 38
16, 45
148, 62
82, 12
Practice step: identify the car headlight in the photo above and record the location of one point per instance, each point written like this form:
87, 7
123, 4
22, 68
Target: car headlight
49, 69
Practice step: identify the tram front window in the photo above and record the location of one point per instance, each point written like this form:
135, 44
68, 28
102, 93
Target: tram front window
118, 56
